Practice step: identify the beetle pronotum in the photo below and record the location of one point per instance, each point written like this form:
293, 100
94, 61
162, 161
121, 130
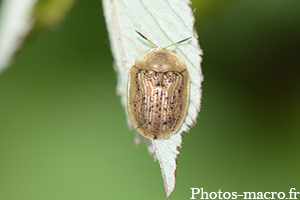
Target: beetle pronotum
158, 92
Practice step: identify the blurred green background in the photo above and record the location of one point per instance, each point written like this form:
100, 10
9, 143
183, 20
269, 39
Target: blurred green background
63, 133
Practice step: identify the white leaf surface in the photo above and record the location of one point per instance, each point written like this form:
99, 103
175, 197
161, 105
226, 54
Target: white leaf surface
166, 152
164, 22
15, 23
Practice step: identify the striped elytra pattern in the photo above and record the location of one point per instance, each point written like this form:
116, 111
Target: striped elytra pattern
158, 102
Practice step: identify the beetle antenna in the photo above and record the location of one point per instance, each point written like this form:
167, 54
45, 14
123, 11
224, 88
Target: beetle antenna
181, 41
146, 38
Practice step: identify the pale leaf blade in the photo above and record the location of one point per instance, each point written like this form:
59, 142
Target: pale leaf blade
166, 152
15, 23
164, 22
20, 19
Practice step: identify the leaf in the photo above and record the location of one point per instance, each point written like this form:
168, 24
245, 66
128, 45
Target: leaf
166, 153
164, 22
15, 24
20, 19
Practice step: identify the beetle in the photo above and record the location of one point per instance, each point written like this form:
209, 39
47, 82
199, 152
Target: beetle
158, 92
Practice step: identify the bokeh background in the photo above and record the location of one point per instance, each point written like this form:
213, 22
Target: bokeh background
63, 133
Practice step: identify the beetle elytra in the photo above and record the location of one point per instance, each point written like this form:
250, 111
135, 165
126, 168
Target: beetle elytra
158, 92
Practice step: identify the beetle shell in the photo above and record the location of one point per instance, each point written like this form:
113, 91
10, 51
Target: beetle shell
158, 93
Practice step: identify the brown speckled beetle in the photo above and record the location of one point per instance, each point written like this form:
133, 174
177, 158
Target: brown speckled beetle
158, 92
